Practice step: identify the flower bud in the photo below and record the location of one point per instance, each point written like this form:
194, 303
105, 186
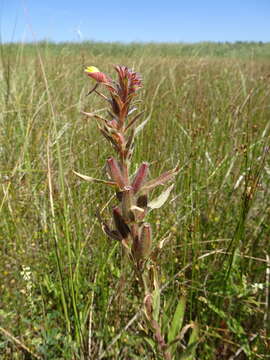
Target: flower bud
140, 177
115, 172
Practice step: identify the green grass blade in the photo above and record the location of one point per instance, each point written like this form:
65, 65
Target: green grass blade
178, 319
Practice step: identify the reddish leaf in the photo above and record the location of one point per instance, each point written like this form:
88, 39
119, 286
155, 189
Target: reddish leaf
161, 180
132, 122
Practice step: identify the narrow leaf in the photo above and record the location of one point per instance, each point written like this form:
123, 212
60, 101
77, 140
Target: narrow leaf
189, 353
156, 296
132, 122
113, 234
141, 126
93, 115
177, 320
161, 180
161, 199
132, 110
150, 342
91, 179
93, 89
192, 343
130, 140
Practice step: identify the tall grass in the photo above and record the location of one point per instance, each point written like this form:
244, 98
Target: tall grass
59, 273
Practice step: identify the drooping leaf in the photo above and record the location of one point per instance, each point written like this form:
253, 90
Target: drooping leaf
91, 179
161, 199
177, 320
113, 234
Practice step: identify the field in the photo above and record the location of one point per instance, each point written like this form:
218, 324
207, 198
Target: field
209, 110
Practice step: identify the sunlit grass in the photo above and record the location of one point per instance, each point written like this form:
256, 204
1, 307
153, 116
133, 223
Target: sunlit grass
209, 113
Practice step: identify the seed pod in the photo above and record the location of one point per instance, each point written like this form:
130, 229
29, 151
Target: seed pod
120, 224
127, 201
142, 244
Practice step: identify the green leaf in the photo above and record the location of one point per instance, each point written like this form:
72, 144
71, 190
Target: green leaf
177, 320
189, 353
161, 199
232, 323
193, 342
151, 343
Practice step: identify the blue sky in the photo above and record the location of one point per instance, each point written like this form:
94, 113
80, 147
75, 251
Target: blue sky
140, 20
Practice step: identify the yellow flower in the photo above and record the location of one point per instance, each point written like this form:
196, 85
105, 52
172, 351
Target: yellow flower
97, 75
91, 69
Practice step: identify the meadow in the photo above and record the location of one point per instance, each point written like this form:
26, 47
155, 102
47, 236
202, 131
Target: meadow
209, 111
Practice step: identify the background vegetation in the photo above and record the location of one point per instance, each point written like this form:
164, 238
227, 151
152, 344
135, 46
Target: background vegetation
59, 274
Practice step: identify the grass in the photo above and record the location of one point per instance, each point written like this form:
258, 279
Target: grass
59, 274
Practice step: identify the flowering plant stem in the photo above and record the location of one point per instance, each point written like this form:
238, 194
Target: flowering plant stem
129, 225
